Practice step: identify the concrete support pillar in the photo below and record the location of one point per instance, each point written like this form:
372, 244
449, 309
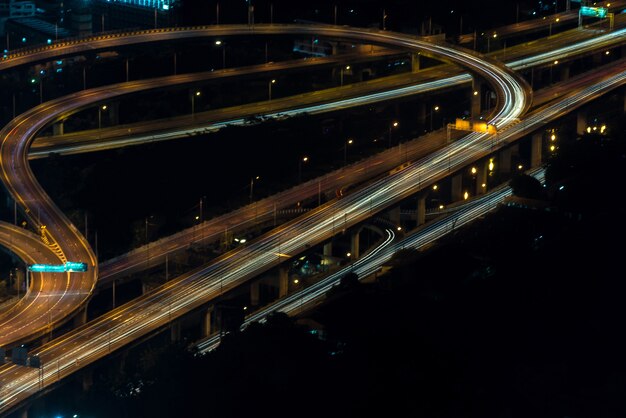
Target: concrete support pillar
87, 379
113, 110
394, 215
504, 160
255, 292
581, 121
58, 128
421, 209
328, 249
597, 59
481, 178
283, 281
456, 187
624, 94
536, 148
475, 98
207, 322
565, 72
421, 113
81, 317
354, 245
415, 62
175, 331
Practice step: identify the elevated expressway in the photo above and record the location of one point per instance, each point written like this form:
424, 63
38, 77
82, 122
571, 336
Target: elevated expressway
75, 349
265, 208
158, 308
573, 44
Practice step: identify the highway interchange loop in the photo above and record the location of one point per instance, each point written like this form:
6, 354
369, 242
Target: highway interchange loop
69, 244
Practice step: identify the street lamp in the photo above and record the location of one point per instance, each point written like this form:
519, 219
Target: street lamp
550, 26
347, 67
269, 87
300, 161
193, 103
223, 45
393, 124
100, 109
345, 150
435, 109
252, 185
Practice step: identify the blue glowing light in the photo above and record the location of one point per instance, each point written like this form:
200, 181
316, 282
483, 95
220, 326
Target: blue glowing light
70, 266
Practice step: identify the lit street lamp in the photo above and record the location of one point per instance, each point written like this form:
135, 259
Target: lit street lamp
269, 87
223, 45
393, 124
252, 185
341, 78
345, 150
435, 109
193, 103
100, 109
300, 161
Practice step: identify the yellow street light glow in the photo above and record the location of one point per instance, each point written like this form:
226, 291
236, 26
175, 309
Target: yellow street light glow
347, 67
588, 129
350, 141
491, 165
436, 108
399, 228
602, 128
519, 167
495, 35
440, 206
473, 170
556, 62
104, 107
557, 19
552, 137
197, 93
218, 42
607, 52
273, 81
305, 159
296, 281
465, 195
395, 124
483, 185
348, 254
552, 147
435, 187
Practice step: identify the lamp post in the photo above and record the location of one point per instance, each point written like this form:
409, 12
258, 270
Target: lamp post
193, 103
252, 185
435, 109
269, 88
100, 109
223, 45
392, 125
300, 161
345, 150
341, 77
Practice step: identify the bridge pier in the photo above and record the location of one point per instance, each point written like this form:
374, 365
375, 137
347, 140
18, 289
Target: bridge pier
421, 114
481, 178
328, 249
283, 281
504, 160
175, 331
394, 215
255, 293
565, 70
113, 110
420, 214
206, 322
86, 376
58, 128
624, 94
354, 245
581, 121
81, 317
456, 187
475, 97
536, 148
415, 62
